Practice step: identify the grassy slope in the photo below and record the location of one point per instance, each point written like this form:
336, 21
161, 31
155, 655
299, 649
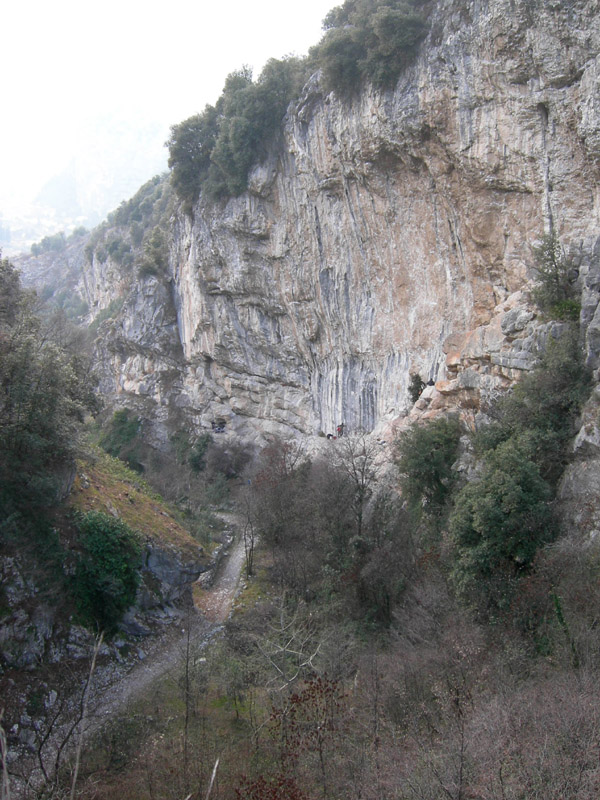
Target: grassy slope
106, 484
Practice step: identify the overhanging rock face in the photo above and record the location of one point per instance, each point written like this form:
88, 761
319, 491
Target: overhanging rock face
383, 236
385, 230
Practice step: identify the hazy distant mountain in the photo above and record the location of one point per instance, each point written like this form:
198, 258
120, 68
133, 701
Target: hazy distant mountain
115, 155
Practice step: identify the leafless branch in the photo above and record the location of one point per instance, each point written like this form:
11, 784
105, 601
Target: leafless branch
5, 790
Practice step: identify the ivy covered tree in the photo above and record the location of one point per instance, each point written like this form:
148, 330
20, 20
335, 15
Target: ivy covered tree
107, 571
500, 521
542, 408
424, 455
497, 526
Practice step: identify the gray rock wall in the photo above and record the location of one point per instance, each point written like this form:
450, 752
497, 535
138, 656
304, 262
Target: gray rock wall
385, 227
382, 236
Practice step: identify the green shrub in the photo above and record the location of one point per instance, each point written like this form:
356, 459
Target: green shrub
107, 572
140, 205
197, 455
424, 455
339, 56
497, 526
393, 35
415, 387
137, 233
121, 438
542, 408
120, 251
368, 40
567, 310
193, 455
554, 291
78, 233
50, 244
156, 253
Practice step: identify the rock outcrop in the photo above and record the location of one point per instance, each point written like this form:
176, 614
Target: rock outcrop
383, 236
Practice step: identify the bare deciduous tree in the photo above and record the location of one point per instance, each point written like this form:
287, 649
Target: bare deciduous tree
356, 456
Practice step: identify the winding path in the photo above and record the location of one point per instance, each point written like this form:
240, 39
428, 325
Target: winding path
198, 628
162, 657
217, 602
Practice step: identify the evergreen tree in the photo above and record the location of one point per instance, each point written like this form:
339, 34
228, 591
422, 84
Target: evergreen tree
44, 393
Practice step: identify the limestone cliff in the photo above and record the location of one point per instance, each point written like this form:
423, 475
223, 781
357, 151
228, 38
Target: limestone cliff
382, 236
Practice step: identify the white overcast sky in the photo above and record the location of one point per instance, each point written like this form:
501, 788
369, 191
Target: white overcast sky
67, 63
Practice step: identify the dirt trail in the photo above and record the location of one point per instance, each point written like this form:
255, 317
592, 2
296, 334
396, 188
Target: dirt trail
163, 655
197, 628
216, 603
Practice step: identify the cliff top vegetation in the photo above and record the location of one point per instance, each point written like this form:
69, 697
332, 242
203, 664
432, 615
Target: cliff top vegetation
364, 41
